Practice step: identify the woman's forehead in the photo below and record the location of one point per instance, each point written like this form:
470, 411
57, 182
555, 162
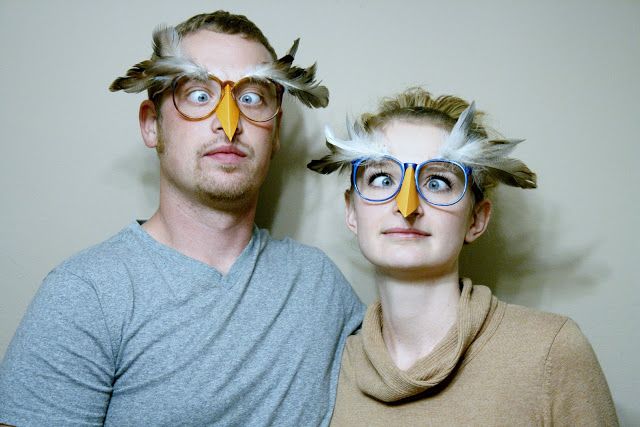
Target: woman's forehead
413, 142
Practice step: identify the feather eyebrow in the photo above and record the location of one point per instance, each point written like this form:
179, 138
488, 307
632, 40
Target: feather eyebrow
169, 62
486, 156
444, 166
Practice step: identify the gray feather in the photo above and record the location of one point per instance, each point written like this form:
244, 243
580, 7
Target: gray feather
165, 65
460, 132
299, 82
343, 152
486, 156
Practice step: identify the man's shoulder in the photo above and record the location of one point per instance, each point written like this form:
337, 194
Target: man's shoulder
294, 250
106, 256
293, 258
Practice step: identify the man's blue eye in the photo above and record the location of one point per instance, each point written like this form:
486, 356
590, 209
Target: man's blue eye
199, 97
250, 98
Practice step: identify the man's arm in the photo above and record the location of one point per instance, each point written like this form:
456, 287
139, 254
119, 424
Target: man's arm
58, 369
353, 308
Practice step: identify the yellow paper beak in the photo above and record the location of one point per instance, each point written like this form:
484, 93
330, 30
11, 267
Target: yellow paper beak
407, 197
228, 113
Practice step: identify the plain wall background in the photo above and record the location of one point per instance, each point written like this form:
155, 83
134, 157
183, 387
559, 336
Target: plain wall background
563, 75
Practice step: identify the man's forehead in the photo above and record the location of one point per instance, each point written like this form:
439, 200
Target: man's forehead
224, 53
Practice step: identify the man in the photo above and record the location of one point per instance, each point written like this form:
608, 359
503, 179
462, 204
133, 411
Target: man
194, 317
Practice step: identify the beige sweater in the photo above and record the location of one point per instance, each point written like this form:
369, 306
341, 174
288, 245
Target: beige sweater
500, 364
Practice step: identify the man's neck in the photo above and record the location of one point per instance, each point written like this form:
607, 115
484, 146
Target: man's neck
417, 314
212, 235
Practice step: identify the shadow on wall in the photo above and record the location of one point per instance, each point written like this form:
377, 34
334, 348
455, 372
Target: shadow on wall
520, 256
285, 182
139, 164
628, 416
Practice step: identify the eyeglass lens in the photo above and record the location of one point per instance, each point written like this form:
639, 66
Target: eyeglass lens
439, 182
257, 99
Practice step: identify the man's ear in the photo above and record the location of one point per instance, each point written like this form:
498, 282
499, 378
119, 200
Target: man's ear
479, 220
349, 212
148, 118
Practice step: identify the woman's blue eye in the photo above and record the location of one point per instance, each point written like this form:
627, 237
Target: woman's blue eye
436, 184
250, 98
199, 97
381, 180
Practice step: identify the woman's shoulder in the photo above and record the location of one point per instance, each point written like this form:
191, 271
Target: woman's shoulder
530, 318
574, 384
561, 334
549, 333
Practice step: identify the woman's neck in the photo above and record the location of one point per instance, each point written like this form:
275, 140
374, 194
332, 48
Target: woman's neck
417, 313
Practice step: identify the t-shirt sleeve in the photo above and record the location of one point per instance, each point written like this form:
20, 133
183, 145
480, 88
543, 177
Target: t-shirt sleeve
575, 383
352, 306
58, 369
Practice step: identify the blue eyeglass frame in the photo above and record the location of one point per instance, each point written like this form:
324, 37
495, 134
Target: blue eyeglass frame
416, 167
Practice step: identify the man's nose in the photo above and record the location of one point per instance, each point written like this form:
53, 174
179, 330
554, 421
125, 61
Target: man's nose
228, 113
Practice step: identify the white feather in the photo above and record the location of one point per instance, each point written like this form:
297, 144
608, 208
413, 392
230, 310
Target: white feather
484, 156
268, 71
171, 57
359, 146
459, 134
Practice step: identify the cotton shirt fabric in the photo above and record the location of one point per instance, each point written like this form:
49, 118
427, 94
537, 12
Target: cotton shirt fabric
499, 365
132, 332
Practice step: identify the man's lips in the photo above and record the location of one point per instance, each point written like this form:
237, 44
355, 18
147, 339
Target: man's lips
405, 232
227, 153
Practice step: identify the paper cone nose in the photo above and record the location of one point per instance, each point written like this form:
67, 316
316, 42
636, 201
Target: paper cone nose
228, 113
407, 197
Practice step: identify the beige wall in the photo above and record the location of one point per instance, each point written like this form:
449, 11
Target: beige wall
562, 74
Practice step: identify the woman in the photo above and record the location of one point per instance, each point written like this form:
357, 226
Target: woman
436, 349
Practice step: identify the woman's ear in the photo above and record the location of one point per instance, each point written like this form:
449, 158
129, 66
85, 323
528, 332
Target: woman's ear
479, 220
148, 118
349, 212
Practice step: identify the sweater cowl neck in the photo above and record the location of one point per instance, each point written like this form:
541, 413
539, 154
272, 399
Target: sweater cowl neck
380, 378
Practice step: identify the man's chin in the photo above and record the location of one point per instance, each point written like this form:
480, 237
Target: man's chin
234, 193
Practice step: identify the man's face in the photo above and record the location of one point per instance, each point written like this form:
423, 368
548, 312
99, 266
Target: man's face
196, 157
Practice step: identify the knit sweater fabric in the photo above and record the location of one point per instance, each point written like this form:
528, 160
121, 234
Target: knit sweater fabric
500, 364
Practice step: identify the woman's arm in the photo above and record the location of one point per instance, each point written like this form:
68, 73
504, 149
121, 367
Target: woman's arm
575, 385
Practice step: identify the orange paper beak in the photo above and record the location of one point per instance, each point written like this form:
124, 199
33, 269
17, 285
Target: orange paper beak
407, 197
228, 113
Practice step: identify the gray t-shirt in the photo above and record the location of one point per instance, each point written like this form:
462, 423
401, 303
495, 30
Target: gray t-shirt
132, 332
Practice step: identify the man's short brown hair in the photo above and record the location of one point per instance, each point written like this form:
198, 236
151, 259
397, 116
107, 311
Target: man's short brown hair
223, 22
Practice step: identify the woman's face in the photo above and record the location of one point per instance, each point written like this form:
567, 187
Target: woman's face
428, 240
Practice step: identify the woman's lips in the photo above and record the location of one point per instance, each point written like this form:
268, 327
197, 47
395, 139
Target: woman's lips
405, 232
